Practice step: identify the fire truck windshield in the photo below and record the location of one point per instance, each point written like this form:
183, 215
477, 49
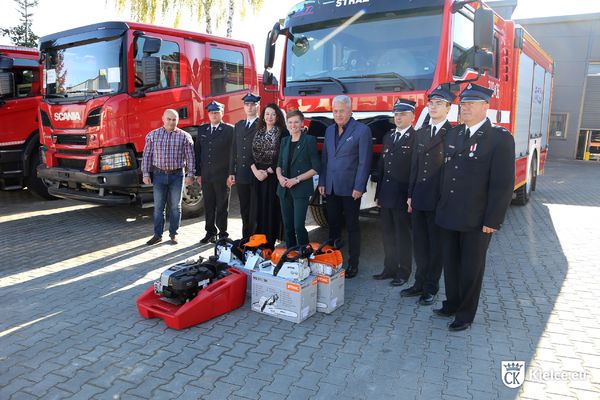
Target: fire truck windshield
380, 52
88, 70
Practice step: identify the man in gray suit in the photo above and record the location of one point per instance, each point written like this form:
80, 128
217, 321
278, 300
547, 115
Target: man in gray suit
346, 165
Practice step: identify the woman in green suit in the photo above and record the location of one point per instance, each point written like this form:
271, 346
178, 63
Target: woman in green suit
298, 163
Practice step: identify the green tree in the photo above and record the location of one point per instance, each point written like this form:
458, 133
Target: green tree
22, 35
149, 10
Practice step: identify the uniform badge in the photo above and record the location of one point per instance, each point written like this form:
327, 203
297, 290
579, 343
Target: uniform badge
472, 149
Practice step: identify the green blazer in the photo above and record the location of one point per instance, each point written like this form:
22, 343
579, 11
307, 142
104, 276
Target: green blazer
305, 158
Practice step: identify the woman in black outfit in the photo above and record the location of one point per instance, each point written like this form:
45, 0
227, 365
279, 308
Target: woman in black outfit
265, 154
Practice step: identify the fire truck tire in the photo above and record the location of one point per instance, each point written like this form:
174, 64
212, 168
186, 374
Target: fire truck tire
523, 193
36, 185
192, 203
319, 214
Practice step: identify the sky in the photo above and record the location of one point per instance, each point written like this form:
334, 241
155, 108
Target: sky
52, 16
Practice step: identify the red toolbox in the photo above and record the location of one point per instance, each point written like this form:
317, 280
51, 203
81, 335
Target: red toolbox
216, 299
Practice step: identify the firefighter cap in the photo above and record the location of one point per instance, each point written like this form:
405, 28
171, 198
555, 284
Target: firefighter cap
215, 106
251, 98
473, 93
440, 93
404, 105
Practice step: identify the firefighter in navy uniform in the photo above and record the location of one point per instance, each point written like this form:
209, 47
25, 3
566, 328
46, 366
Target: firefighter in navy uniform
477, 186
240, 173
212, 148
423, 194
393, 172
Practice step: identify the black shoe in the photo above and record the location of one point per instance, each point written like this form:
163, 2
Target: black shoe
442, 312
351, 271
223, 235
154, 240
457, 326
398, 282
208, 238
426, 299
174, 239
383, 275
411, 292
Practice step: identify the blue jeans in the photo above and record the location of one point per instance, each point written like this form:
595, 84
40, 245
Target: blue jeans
167, 186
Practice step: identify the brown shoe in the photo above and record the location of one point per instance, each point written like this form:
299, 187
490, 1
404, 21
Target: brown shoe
174, 239
154, 240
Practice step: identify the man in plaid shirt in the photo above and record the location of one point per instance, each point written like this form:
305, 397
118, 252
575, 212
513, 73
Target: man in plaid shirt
168, 152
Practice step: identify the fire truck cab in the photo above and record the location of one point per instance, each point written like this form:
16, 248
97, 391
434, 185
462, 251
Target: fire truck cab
20, 94
107, 85
376, 51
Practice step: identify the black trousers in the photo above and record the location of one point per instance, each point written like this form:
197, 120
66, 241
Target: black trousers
216, 206
338, 209
397, 241
464, 264
427, 247
246, 196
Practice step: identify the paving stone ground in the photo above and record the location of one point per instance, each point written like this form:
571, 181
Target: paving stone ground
69, 328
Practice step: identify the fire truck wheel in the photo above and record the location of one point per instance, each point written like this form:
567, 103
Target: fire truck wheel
36, 185
319, 214
192, 204
523, 193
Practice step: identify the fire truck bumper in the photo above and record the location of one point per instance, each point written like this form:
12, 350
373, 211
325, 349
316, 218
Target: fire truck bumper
114, 188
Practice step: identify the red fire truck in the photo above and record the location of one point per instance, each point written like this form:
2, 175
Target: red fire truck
376, 51
106, 86
20, 95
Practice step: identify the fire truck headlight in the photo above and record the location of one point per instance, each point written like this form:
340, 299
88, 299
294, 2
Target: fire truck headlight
115, 161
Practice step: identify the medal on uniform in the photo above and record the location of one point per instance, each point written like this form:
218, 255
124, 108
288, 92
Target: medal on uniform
472, 149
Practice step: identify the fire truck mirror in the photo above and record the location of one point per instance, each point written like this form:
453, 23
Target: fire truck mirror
301, 46
483, 60
270, 45
6, 63
6, 84
484, 29
151, 45
274, 34
151, 71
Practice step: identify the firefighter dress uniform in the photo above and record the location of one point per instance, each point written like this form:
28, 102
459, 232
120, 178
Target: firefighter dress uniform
476, 190
239, 166
212, 148
393, 173
424, 191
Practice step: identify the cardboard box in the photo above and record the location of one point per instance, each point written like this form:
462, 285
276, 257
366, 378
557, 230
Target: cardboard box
330, 292
281, 298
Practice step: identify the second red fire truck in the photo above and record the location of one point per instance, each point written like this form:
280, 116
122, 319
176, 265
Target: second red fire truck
376, 51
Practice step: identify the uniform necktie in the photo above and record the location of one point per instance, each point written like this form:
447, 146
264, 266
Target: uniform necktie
247, 124
468, 132
433, 131
212, 130
396, 136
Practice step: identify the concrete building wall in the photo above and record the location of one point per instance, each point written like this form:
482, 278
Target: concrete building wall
573, 42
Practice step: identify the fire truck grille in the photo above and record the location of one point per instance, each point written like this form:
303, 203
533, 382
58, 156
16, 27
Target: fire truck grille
70, 139
71, 163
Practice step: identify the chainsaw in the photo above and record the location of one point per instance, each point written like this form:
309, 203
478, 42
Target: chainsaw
291, 264
326, 258
246, 253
